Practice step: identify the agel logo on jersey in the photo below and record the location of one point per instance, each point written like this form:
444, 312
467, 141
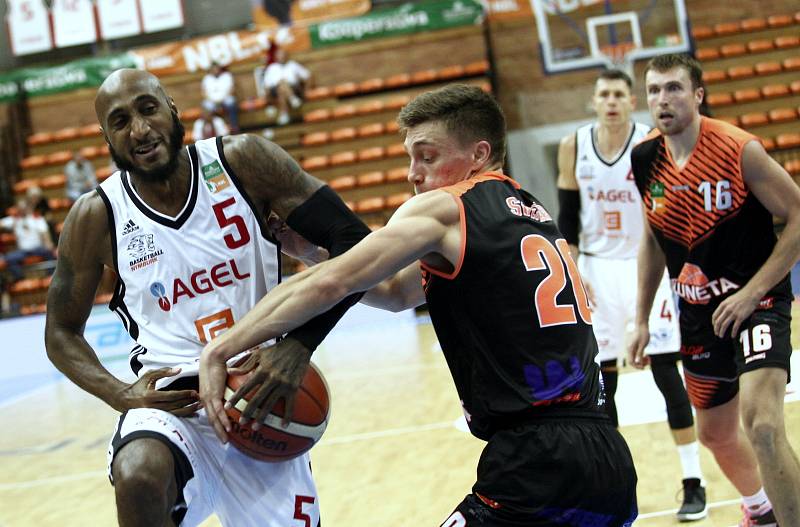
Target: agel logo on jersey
215, 177
658, 201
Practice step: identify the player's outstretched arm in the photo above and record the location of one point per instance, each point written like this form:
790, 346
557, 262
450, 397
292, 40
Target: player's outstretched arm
651, 263
84, 247
421, 226
774, 188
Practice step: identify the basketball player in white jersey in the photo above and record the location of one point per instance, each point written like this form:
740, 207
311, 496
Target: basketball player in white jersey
186, 231
601, 218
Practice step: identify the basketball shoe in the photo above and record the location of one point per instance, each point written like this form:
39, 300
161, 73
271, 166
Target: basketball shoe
694, 501
762, 520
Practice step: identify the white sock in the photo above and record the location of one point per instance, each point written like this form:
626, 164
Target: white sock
690, 461
758, 503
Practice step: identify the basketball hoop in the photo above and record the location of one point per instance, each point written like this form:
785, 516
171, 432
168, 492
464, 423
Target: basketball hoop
618, 56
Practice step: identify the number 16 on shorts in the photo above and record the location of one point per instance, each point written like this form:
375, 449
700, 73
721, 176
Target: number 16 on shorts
756, 341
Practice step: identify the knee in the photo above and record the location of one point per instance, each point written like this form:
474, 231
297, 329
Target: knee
763, 434
141, 473
716, 439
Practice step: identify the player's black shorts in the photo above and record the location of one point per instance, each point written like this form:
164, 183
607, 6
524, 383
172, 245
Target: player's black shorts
712, 365
557, 472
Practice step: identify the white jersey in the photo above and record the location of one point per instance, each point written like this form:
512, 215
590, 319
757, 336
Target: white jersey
611, 211
185, 279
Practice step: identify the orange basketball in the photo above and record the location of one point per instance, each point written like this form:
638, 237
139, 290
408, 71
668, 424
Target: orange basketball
272, 442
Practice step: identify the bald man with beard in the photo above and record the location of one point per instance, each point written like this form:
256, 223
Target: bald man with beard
186, 231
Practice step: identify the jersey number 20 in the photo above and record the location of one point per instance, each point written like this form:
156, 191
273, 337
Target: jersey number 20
539, 254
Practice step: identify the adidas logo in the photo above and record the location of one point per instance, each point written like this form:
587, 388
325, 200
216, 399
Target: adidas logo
129, 228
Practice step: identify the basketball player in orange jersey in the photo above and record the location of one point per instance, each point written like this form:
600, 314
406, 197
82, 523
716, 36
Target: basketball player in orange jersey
709, 192
507, 305
186, 231
600, 216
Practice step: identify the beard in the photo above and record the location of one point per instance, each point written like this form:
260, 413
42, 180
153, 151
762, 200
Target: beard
163, 172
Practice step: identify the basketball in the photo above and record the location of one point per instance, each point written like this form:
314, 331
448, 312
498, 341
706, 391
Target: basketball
272, 442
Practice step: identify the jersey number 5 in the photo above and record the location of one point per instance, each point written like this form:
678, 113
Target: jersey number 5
235, 220
539, 254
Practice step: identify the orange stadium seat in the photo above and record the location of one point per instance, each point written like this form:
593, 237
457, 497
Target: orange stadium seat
787, 41
66, 134
104, 149
90, 130
733, 50
793, 167
370, 85
54, 181
343, 158
795, 87
788, 140
350, 204
399, 80
371, 130
372, 153
770, 91
345, 89
791, 64
89, 152
315, 116
395, 200
727, 28
32, 162
768, 67
712, 76
344, 110
343, 183
375, 225
59, 203
315, 162
479, 67
59, 227
343, 134
396, 150
747, 95
369, 179
732, 119
424, 76
370, 107
768, 143
318, 93
782, 115
315, 138
779, 20
702, 32
754, 119
190, 114
760, 46
252, 105
103, 173
455, 71
704, 54
392, 127
719, 99
7, 238
397, 103
485, 86
58, 158
740, 72
39, 138
754, 24
397, 175
367, 205
22, 186
32, 309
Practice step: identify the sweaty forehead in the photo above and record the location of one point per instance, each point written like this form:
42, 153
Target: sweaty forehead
122, 90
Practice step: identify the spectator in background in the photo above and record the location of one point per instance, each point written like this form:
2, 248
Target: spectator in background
219, 90
209, 125
33, 237
80, 175
285, 84
41, 207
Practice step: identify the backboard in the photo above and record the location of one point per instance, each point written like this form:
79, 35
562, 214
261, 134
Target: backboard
576, 34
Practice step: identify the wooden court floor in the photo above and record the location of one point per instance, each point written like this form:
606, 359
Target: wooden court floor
392, 454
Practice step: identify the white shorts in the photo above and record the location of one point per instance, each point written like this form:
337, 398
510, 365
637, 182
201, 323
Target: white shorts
614, 282
242, 491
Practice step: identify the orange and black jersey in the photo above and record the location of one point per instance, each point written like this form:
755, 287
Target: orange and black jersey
512, 316
713, 230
